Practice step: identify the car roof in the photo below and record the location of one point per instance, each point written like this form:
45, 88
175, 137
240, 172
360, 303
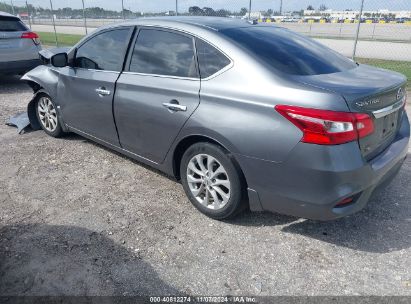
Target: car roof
210, 23
4, 14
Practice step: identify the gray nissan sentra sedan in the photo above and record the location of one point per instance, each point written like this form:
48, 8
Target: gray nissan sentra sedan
245, 115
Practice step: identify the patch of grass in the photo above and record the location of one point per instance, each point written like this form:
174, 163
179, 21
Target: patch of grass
403, 67
63, 39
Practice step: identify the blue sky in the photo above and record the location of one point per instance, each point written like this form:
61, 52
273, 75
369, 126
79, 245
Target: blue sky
164, 5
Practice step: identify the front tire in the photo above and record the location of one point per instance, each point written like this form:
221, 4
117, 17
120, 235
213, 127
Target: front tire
46, 111
212, 181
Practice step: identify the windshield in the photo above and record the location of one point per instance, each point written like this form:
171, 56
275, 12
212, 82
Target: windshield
289, 52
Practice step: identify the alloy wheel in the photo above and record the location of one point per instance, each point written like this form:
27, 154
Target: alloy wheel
47, 114
208, 181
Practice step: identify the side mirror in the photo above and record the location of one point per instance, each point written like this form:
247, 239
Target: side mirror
59, 60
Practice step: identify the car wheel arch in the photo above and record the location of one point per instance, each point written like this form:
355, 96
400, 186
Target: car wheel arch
35, 86
190, 140
31, 109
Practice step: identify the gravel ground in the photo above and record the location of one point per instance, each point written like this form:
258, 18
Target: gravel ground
78, 219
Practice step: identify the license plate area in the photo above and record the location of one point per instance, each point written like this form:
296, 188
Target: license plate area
389, 125
385, 130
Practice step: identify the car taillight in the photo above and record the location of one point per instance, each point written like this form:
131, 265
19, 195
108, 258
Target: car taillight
31, 35
325, 127
345, 202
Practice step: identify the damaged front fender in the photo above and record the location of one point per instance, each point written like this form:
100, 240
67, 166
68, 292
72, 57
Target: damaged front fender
43, 77
43, 80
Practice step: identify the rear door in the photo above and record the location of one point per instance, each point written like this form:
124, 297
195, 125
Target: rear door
86, 90
157, 93
12, 46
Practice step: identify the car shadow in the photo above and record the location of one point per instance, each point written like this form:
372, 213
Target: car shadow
11, 84
249, 218
383, 226
75, 137
39, 260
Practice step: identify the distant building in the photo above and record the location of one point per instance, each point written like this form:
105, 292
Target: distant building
354, 14
253, 15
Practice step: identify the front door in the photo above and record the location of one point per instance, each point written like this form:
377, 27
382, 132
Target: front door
157, 93
87, 89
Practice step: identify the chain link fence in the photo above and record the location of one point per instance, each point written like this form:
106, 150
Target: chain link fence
373, 31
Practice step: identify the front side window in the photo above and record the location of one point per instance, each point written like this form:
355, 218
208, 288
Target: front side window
210, 59
104, 51
164, 53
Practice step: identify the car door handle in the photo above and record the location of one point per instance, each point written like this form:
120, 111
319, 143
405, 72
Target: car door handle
174, 107
103, 92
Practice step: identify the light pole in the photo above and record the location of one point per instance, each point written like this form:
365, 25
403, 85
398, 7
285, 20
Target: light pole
54, 23
84, 17
249, 11
358, 31
12, 7
122, 9
176, 7
281, 7
28, 14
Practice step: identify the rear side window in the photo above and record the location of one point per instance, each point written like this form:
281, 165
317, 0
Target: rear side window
289, 52
104, 52
164, 53
11, 25
210, 59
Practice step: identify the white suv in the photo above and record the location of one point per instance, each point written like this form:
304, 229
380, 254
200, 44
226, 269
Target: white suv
19, 46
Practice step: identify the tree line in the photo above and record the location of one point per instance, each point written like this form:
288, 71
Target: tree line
98, 12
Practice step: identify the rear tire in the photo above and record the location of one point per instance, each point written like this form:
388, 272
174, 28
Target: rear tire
212, 181
46, 111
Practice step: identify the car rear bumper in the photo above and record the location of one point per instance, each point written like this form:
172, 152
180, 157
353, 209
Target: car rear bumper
16, 67
315, 178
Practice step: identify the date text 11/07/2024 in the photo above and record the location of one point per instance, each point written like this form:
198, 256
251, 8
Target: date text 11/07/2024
203, 299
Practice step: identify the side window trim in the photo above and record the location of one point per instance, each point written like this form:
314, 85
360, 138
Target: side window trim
131, 50
133, 44
219, 72
127, 46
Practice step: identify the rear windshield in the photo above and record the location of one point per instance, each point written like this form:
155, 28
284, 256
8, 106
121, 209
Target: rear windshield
289, 52
9, 24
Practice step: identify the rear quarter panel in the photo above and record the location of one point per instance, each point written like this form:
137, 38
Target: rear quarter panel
237, 110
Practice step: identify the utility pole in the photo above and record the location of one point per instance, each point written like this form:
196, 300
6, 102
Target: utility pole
358, 30
281, 7
122, 9
28, 14
12, 7
54, 23
84, 17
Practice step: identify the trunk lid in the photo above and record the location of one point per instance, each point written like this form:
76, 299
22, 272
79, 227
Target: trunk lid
377, 92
